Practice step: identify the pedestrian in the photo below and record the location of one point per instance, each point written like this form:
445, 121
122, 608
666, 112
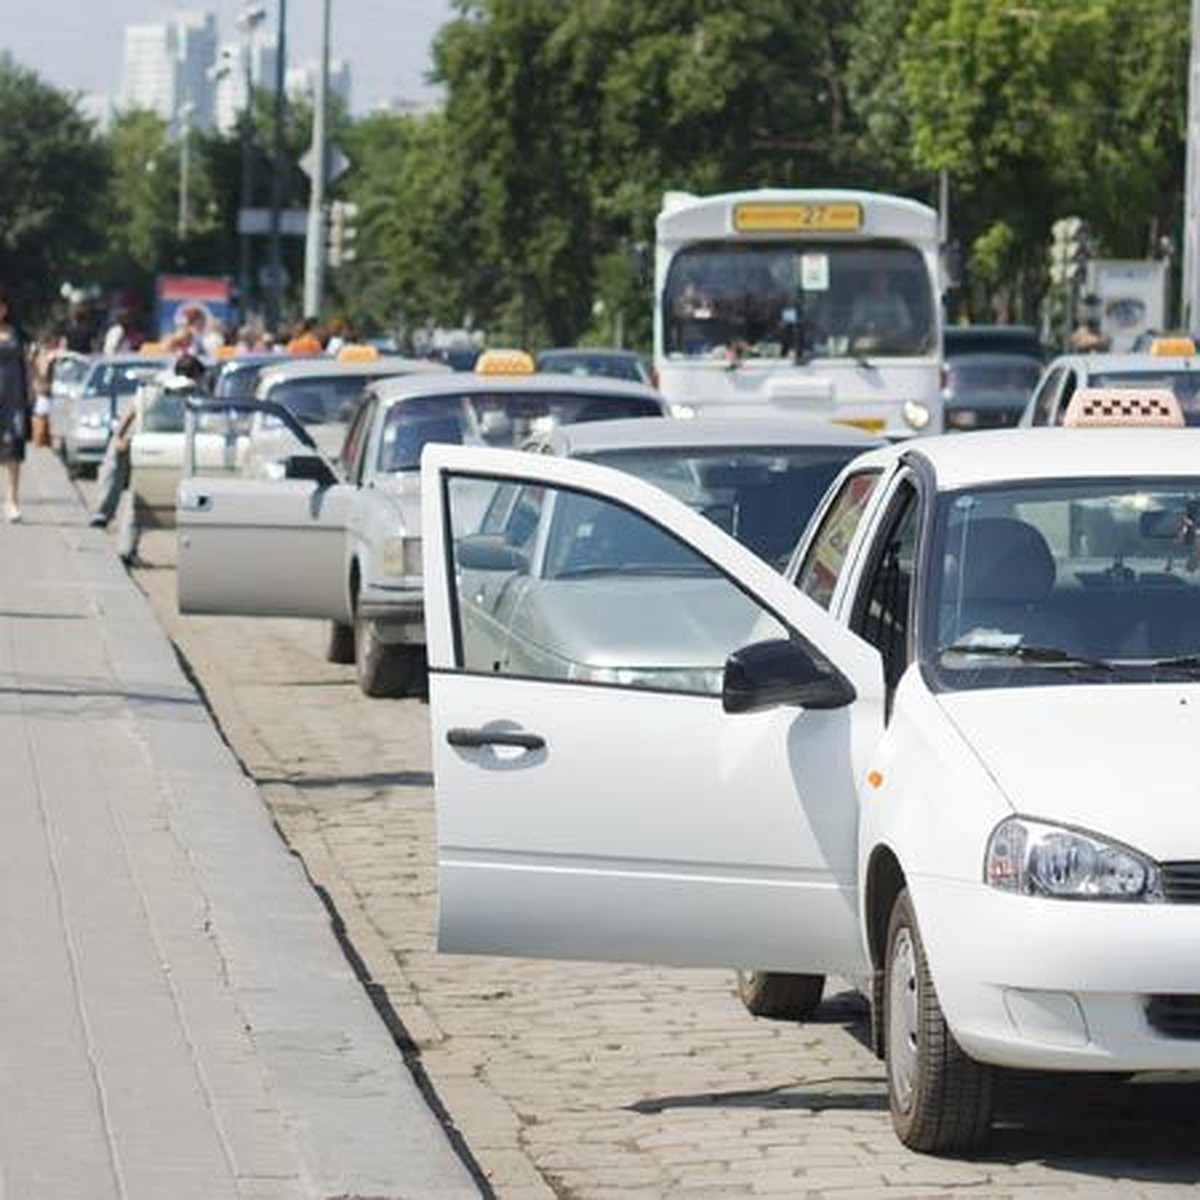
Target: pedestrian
15, 409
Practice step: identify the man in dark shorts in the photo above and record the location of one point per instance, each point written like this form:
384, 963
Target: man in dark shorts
14, 404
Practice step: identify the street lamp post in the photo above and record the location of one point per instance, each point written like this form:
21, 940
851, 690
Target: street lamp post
252, 16
185, 154
275, 283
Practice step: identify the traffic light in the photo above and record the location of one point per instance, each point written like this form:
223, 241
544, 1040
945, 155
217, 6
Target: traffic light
342, 232
1069, 250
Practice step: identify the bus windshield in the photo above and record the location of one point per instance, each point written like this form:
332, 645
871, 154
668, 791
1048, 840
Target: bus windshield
798, 300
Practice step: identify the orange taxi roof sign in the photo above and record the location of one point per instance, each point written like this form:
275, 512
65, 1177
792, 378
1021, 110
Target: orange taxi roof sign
1116, 406
505, 362
357, 352
1176, 346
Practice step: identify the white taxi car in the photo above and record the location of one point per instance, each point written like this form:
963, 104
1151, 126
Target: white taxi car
341, 540
949, 753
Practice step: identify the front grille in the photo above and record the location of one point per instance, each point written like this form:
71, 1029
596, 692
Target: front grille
1174, 1016
1181, 882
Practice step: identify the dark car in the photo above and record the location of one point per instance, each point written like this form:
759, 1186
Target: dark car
594, 360
988, 391
1022, 340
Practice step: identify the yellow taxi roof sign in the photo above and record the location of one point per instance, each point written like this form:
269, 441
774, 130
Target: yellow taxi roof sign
505, 362
152, 348
1177, 346
357, 352
1113, 406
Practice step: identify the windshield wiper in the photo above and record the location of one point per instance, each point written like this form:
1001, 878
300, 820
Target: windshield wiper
1053, 655
1184, 662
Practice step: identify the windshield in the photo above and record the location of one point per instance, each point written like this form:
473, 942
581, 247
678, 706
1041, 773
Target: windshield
319, 400
112, 379
1091, 580
1184, 383
581, 362
776, 300
763, 496
1004, 378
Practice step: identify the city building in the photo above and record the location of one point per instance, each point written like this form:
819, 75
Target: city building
169, 67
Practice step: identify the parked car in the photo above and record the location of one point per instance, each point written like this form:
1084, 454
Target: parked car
91, 412
947, 754
596, 360
759, 478
1069, 372
68, 368
321, 393
987, 391
1023, 341
342, 542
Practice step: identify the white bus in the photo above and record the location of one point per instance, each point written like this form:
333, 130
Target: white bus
818, 302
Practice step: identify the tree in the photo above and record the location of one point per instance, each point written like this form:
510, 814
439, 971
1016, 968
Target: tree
52, 169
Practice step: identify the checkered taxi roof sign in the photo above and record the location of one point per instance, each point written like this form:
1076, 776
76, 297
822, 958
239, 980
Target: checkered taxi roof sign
1114, 406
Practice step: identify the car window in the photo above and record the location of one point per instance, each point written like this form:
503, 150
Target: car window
580, 589
826, 555
1070, 383
1043, 401
351, 457
881, 613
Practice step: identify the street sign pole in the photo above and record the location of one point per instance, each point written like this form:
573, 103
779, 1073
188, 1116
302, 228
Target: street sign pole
275, 266
314, 250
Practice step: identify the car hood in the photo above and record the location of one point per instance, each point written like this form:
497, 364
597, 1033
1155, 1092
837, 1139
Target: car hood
1117, 759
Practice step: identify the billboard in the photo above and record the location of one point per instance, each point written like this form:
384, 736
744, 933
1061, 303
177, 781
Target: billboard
1130, 297
179, 296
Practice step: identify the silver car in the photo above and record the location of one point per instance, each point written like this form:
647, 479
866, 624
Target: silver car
92, 412
341, 539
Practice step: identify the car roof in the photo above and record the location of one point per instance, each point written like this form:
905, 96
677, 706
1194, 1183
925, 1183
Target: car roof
460, 382
993, 358
1116, 364
593, 437
320, 368
589, 352
1048, 452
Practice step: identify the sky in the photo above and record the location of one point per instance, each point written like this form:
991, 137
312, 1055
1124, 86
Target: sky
78, 45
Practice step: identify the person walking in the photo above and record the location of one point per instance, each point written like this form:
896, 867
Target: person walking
14, 404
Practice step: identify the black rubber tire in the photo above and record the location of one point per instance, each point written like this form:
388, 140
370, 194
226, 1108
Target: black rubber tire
339, 646
386, 671
948, 1108
779, 996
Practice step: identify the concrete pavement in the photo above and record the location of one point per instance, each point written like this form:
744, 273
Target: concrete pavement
177, 1017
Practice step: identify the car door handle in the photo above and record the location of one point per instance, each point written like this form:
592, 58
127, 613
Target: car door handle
495, 737
197, 502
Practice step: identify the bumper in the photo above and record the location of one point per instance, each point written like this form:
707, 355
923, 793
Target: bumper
88, 445
398, 613
1058, 984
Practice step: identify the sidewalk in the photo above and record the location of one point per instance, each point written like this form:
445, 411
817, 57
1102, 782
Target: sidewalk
177, 1019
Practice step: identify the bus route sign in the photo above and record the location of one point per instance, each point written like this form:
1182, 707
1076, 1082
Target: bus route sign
759, 217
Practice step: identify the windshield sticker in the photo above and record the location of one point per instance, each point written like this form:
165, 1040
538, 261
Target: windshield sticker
814, 272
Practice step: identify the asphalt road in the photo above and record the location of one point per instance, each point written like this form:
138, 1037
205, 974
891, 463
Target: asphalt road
589, 1081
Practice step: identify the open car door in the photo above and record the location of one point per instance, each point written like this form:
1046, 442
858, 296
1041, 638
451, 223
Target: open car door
597, 795
273, 547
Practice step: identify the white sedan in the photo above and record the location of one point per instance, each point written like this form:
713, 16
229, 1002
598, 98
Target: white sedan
949, 754
341, 541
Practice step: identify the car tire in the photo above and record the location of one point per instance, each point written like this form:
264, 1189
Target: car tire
339, 646
779, 996
940, 1098
386, 671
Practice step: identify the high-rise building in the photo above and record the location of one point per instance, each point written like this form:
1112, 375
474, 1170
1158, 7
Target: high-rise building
169, 65
251, 65
302, 80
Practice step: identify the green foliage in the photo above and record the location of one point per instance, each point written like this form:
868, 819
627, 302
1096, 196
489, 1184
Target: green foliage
52, 170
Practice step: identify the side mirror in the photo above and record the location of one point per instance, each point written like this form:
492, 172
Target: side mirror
488, 552
777, 672
311, 467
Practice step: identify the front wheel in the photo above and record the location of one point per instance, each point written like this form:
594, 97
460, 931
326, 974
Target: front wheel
386, 670
779, 996
940, 1099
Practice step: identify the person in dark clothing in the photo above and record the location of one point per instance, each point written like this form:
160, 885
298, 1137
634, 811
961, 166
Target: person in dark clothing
15, 404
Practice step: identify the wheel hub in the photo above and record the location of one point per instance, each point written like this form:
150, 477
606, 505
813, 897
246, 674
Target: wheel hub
903, 1019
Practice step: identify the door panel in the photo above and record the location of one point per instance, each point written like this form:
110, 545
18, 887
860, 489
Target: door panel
641, 822
264, 548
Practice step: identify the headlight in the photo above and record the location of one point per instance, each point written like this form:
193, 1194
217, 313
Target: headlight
917, 415
401, 556
1034, 859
